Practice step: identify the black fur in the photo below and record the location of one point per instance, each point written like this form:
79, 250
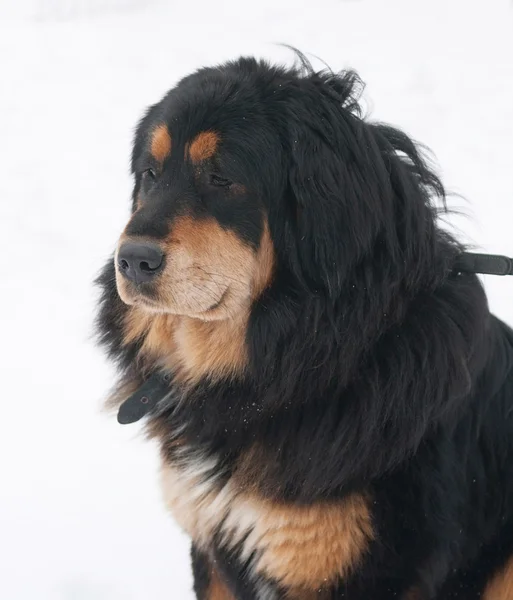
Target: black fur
372, 365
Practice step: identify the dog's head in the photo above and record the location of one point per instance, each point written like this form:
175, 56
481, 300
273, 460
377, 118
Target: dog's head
198, 240
245, 169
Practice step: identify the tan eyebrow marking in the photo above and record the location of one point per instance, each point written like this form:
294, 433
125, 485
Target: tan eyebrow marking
203, 146
160, 143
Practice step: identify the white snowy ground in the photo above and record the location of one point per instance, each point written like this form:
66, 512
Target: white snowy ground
80, 511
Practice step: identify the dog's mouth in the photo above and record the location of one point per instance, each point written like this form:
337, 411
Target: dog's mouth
147, 297
220, 302
146, 302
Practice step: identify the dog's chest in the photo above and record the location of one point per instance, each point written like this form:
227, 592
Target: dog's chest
193, 493
298, 545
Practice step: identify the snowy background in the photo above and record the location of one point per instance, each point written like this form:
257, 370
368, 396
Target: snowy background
80, 511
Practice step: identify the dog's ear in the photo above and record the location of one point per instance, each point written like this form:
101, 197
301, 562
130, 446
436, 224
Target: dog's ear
333, 181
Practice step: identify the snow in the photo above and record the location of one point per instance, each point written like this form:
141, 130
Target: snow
81, 516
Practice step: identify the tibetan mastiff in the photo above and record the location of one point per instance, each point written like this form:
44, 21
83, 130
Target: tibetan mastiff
332, 397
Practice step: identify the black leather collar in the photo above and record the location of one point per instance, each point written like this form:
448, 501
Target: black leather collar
145, 399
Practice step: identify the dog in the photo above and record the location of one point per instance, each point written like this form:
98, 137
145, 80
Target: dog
337, 413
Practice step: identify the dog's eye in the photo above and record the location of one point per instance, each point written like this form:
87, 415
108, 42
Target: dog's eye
149, 174
219, 181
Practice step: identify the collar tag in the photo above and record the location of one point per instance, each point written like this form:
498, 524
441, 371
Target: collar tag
144, 400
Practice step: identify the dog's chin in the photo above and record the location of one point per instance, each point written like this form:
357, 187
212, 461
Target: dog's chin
216, 311
149, 306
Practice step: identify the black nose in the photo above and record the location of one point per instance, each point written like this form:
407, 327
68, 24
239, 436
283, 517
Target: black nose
140, 262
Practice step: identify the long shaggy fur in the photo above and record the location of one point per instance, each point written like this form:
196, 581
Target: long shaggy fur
373, 367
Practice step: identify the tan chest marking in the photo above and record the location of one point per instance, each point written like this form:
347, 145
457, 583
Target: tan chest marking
302, 547
501, 586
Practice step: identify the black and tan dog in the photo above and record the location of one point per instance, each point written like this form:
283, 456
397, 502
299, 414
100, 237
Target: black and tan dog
339, 415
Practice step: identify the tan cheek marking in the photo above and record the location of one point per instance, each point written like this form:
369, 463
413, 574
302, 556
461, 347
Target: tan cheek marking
203, 146
212, 348
202, 238
501, 586
160, 143
193, 348
218, 349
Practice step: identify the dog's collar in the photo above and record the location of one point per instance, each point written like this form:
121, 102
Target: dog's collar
485, 264
144, 400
